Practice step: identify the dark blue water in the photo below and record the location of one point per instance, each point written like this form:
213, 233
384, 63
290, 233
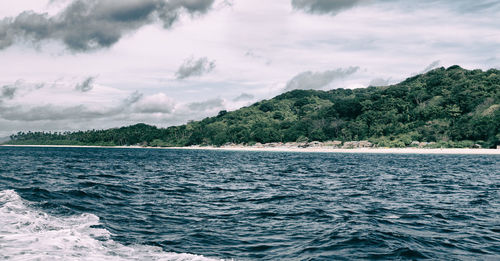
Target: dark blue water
142, 204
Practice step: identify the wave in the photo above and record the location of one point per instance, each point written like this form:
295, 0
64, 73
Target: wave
30, 234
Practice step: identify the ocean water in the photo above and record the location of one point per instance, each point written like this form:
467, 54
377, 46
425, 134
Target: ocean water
143, 204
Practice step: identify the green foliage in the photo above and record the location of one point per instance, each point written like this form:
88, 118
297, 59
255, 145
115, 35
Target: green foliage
452, 107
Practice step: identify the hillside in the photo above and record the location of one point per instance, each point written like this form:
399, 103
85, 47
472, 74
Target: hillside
453, 106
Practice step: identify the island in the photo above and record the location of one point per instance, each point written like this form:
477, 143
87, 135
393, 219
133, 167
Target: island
443, 108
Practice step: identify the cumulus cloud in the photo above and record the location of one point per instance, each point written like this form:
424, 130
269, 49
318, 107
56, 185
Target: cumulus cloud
318, 80
93, 24
86, 85
193, 68
207, 105
157, 103
244, 97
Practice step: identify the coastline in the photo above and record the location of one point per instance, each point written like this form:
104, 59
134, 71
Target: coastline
464, 151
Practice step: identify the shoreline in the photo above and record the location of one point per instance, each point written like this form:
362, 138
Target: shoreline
464, 151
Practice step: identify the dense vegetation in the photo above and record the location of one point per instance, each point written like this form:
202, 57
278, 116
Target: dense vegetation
453, 106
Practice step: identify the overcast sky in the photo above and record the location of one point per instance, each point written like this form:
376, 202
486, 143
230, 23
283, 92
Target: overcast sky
84, 64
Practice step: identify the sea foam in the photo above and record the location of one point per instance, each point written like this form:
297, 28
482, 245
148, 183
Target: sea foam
27, 233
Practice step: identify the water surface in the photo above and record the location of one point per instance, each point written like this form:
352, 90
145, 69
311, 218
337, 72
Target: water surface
144, 204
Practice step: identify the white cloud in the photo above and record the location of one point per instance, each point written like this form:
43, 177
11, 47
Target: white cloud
156, 103
318, 80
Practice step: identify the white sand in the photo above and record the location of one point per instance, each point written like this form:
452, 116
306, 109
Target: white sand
71, 146
310, 149
357, 150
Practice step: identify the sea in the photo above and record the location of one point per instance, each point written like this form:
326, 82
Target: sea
167, 204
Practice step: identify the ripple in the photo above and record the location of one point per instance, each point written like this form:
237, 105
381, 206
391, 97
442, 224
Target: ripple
150, 204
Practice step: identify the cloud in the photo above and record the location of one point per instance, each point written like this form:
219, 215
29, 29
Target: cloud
8, 92
385, 38
193, 68
431, 66
206, 105
157, 103
94, 24
135, 103
334, 7
133, 98
51, 112
244, 97
18, 89
325, 6
86, 85
39, 86
467, 6
252, 54
227, 3
318, 80
379, 82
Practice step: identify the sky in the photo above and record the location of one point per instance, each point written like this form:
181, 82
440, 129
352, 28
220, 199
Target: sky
94, 64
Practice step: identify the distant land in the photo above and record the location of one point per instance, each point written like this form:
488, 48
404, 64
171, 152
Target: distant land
446, 107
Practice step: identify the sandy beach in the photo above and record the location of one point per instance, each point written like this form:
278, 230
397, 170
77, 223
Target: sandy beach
291, 149
357, 150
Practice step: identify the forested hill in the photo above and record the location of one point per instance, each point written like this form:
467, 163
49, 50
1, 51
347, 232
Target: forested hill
451, 106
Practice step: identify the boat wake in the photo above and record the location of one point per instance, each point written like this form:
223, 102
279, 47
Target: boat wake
30, 234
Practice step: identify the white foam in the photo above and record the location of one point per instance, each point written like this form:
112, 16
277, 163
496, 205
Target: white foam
30, 234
